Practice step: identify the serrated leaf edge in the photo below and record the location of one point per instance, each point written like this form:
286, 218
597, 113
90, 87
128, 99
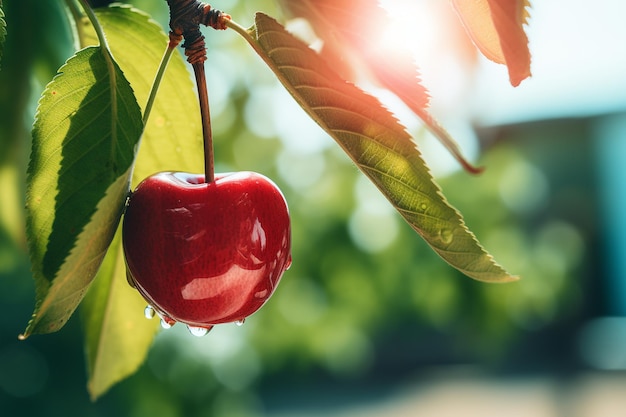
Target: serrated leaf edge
500, 275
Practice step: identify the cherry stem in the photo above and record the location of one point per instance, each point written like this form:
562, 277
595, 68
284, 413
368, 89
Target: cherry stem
205, 114
186, 16
157, 79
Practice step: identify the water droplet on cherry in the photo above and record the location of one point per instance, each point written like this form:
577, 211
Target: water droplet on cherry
166, 322
240, 322
149, 312
288, 263
198, 331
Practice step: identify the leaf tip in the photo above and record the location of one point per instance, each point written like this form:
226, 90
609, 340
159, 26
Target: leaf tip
94, 393
472, 169
29, 327
497, 274
510, 278
516, 79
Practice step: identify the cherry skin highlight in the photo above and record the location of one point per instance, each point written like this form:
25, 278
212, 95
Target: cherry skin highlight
204, 254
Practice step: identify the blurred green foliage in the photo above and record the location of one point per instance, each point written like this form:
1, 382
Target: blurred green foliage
365, 297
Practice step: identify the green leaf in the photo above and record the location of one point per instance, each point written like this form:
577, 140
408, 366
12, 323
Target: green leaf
113, 311
3, 30
117, 335
173, 136
83, 147
376, 142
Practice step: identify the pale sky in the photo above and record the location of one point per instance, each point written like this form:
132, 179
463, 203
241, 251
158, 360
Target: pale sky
578, 63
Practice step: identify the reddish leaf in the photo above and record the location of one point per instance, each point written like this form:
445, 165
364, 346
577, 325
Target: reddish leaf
496, 27
352, 33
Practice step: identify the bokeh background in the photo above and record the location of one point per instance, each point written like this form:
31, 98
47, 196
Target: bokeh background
369, 321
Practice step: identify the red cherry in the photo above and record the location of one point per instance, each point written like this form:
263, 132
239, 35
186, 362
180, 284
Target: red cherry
204, 254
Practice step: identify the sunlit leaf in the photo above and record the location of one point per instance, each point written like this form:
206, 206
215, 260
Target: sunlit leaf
117, 335
85, 132
173, 136
354, 38
497, 29
376, 142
